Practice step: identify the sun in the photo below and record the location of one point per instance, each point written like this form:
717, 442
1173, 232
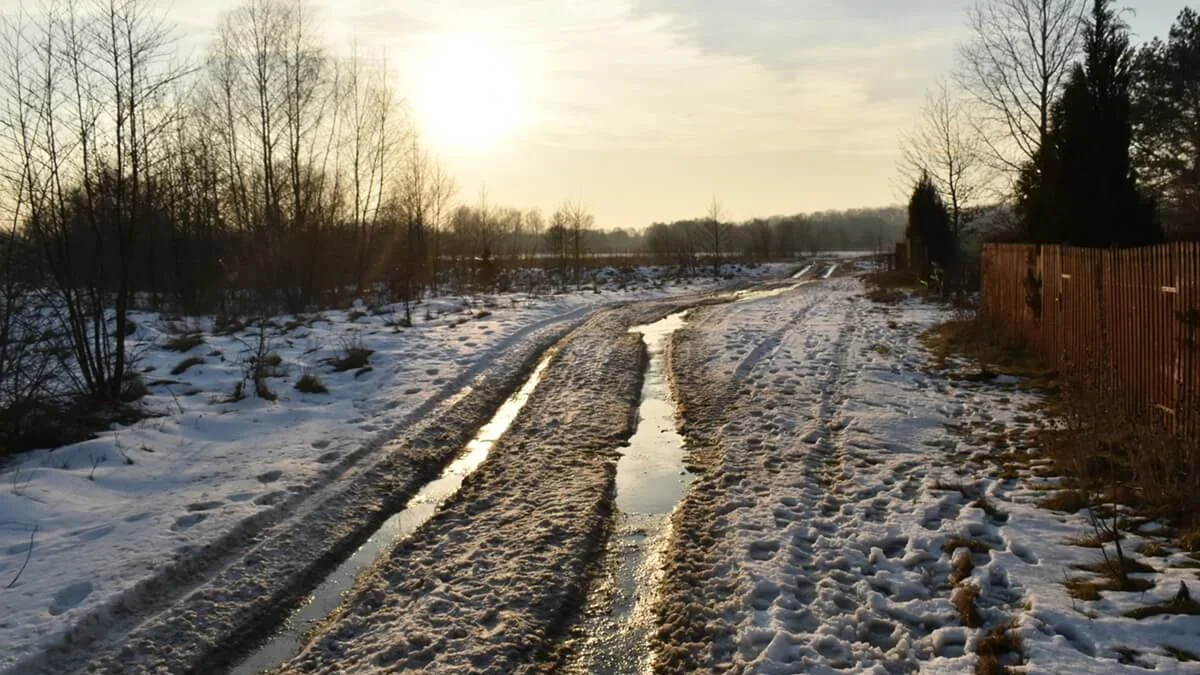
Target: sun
469, 92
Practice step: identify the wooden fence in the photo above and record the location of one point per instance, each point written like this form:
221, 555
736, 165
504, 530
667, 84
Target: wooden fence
1127, 320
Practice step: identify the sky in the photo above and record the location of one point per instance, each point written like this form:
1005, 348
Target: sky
647, 110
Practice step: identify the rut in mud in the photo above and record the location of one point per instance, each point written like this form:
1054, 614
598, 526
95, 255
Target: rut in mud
618, 616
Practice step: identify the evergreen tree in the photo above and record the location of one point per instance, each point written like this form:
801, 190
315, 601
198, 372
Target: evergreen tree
1166, 111
1087, 193
929, 222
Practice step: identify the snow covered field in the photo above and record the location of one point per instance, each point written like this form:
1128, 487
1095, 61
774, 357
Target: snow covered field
105, 518
843, 510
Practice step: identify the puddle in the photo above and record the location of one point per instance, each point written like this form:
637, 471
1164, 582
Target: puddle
328, 595
651, 479
760, 293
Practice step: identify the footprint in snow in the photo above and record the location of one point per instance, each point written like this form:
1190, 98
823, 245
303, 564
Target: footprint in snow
763, 550
204, 506
270, 476
185, 522
270, 498
1024, 554
321, 444
94, 533
328, 457
70, 597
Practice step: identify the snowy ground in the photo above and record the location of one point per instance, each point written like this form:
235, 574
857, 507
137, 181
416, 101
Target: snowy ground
847, 500
838, 489
111, 521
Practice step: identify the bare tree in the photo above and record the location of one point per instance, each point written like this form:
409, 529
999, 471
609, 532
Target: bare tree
716, 234
947, 148
441, 192
1014, 66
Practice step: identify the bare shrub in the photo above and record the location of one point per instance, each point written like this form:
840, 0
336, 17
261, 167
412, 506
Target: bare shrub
355, 355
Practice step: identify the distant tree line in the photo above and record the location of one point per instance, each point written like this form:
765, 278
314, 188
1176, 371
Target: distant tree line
1053, 114
270, 175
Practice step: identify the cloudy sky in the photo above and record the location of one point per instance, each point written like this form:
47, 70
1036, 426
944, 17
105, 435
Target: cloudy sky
646, 109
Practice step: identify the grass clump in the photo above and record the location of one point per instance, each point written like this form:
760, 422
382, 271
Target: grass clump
1190, 540
184, 343
354, 356
1151, 549
311, 384
1066, 501
961, 567
1082, 589
183, 366
964, 601
999, 642
1096, 540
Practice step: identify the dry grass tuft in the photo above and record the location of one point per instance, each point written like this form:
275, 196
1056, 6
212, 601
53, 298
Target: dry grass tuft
960, 568
1000, 641
311, 384
964, 600
1151, 549
1097, 540
1082, 589
1190, 540
1067, 501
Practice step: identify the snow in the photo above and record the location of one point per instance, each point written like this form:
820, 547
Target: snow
816, 537
839, 481
117, 516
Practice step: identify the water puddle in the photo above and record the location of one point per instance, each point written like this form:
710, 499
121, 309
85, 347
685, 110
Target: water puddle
651, 479
327, 596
